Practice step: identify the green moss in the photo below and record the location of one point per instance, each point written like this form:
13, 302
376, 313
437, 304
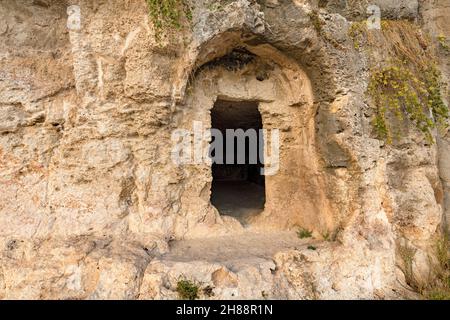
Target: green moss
168, 14
187, 290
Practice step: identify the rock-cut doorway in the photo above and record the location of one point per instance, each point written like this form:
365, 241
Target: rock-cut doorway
238, 186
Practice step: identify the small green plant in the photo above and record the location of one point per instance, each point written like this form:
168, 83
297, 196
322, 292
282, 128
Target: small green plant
327, 236
187, 290
168, 14
312, 248
304, 233
439, 287
405, 83
397, 91
407, 254
264, 295
357, 32
443, 42
331, 236
442, 252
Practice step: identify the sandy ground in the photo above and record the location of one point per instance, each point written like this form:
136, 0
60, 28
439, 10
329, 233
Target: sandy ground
246, 246
240, 200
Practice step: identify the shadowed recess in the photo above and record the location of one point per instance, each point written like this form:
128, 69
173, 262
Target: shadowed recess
238, 190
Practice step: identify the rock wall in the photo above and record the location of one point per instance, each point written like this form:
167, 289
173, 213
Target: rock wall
90, 196
434, 17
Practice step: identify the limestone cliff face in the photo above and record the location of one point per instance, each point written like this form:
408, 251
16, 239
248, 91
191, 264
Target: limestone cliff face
434, 16
91, 200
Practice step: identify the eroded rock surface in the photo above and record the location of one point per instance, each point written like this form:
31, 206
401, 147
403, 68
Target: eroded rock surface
93, 207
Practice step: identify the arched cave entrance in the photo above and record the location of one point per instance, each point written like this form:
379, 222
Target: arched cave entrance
253, 87
238, 186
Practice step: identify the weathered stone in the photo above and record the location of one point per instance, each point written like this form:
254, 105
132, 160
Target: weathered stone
93, 207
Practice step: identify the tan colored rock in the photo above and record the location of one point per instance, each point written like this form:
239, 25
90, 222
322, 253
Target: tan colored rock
93, 207
223, 277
